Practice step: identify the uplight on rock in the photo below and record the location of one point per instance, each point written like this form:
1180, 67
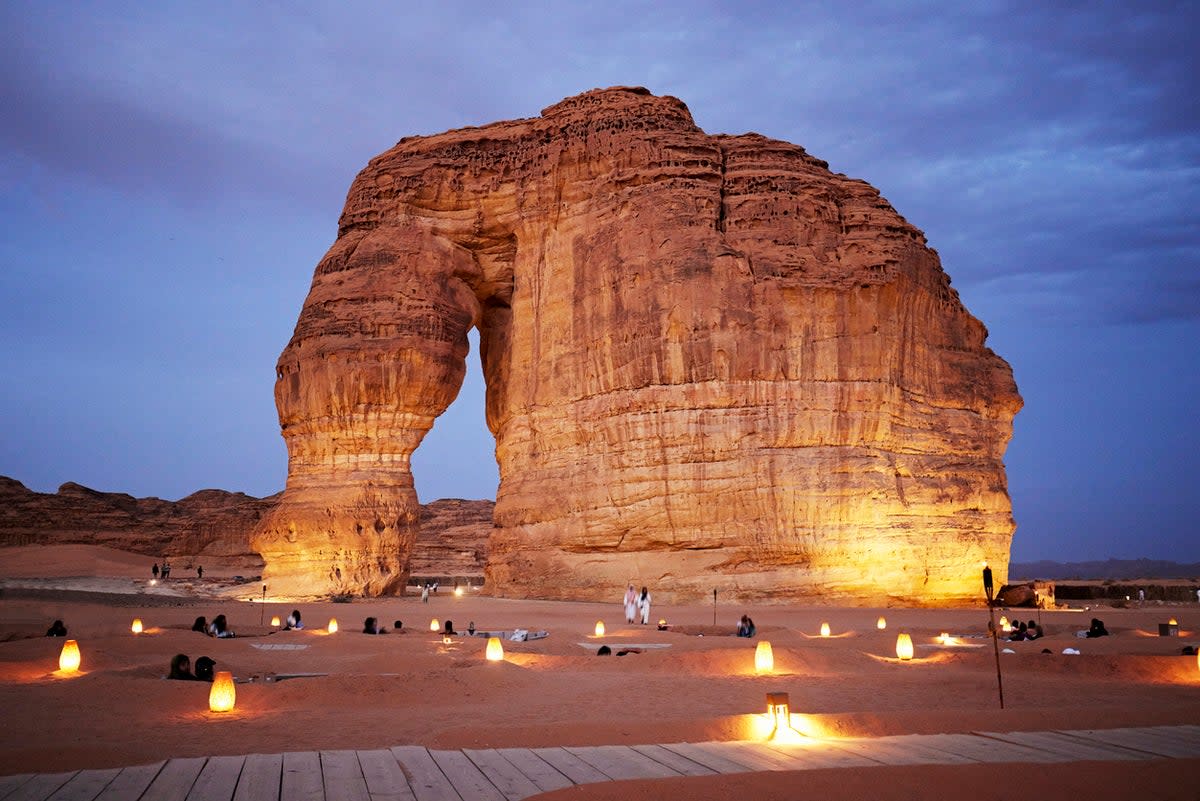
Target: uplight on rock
764, 658
824, 629
136, 628
495, 650
904, 646
881, 624
599, 628
333, 627
68, 658
223, 695
435, 625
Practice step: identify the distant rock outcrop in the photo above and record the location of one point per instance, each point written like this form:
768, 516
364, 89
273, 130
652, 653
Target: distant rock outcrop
453, 538
208, 523
710, 363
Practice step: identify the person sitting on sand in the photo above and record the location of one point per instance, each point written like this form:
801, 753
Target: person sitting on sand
293, 621
220, 628
1020, 633
1097, 629
746, 627
1034, 632
398, 625
57, 629
371, 626
204, 668
471, 628
200, 625
604, 650
181, 668
448, 629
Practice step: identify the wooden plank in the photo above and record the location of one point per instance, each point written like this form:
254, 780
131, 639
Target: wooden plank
1178, 735
262, 778
301, 777
1073, 748
343, 777
40, 786
385, 780
983, 749
680, 764
755, 756
131, 782
823, 753
620, 762
85, 785
881, 751
175, 780
1136, 740
710, 755
538, 771
512, 783
218, 779
10, 783
937, 756
571, 766
467, 779
426, 779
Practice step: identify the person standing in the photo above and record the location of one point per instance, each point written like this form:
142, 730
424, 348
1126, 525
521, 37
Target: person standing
631, 598
425, 593
199, 571
643, 604
154, 571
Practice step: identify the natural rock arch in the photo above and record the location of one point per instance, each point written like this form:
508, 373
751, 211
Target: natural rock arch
710, 362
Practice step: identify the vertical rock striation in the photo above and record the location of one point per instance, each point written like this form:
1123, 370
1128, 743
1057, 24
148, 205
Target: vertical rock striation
710, 363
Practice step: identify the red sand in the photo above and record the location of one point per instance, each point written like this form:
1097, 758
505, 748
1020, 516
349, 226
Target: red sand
412, 689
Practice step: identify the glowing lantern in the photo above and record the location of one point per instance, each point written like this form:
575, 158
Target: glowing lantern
333, 625
599, 628
1172, 622
824, 629
881, 624
495, 650
223, 694
458, 592
662, 621
764, 658
434, 625
778, 709
1004, 624
68, 658
447, 640
944, 638
275, 621
904, 646
136, 628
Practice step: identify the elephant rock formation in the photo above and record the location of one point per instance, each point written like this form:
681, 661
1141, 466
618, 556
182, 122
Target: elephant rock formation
710, 363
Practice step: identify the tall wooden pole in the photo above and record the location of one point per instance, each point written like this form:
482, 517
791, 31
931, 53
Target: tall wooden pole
987, 590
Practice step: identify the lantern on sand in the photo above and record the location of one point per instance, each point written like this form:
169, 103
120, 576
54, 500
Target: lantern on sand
333, 627
495, 650
458, 592
824, 629
764, 658
599, 628
778, 710
223, 694
904, 646
136, 628
275, 621
435, 625
68, 658
881, 624
1004, 624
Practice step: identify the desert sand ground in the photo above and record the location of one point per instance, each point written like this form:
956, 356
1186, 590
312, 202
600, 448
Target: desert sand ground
412, 688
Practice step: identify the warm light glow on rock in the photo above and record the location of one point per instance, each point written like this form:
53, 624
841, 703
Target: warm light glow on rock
275, 621
434, 625
333, 627
223, 695
599, 628
68, 658
495, 650
881, 624
764, 658
904, 646
824, 629
136, 628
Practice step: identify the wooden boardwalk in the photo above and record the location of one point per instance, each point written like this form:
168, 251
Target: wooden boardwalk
413, 773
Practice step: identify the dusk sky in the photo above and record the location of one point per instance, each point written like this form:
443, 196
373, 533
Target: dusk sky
171, 173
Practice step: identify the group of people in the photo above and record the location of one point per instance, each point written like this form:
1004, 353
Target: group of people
637, 604
1026, 631
181, 668
373, 626
163, 572
219, 627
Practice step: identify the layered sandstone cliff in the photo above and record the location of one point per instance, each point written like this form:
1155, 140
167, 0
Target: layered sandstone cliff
710, 363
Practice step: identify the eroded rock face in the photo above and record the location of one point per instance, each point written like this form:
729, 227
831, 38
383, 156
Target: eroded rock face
711, 363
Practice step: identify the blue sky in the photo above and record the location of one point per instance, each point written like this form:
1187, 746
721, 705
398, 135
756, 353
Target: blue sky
171, 173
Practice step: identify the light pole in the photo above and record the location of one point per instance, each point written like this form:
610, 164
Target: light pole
988, 590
